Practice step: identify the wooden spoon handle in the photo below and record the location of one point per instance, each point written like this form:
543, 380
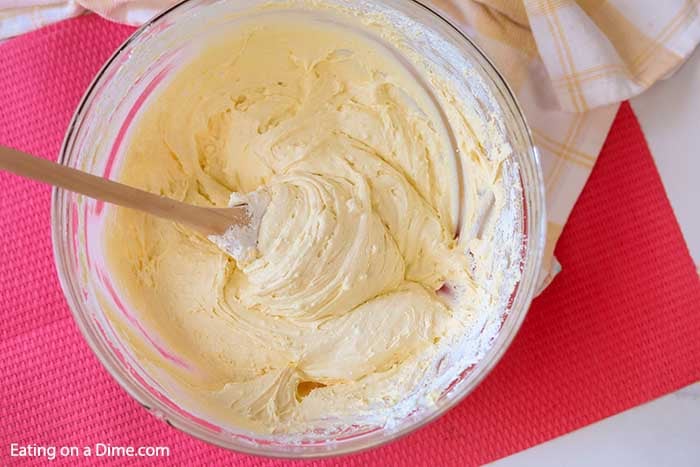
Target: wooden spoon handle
208, 220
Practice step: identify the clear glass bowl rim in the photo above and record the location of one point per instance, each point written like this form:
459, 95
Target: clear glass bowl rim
536, 231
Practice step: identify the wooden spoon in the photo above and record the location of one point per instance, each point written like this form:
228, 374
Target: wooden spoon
209, 221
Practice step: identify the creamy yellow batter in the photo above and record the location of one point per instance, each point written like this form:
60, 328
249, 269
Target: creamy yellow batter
337, 315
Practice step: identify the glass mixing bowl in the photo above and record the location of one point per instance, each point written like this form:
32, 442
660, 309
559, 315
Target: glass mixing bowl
94, 143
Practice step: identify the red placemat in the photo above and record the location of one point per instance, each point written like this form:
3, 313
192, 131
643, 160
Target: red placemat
619, 326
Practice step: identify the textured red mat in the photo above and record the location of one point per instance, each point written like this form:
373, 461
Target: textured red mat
618, 327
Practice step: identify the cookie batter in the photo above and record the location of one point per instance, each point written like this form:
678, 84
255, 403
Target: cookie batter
360, 277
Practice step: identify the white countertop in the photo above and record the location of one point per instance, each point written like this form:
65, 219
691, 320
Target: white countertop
664, 432
670, 117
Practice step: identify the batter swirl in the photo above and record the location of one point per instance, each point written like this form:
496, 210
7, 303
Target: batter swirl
337, 315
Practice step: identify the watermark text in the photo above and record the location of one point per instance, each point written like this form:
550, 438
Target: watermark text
52, 452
